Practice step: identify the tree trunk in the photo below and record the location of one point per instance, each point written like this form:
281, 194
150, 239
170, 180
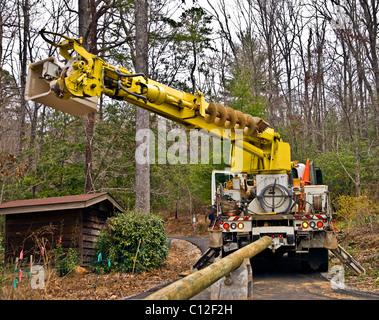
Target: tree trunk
84, 24
1, 71
84, 21
357, 166
142, 175
24, 64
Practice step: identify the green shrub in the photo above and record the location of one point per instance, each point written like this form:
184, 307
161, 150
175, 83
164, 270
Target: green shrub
132, 241
65, 262
355, 210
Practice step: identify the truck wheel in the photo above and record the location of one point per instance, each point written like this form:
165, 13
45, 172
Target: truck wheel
316, 260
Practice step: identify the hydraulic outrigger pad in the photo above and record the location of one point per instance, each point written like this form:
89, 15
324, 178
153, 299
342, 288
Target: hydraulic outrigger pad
347, 259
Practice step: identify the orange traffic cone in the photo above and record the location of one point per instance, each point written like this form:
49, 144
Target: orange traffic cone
306, 173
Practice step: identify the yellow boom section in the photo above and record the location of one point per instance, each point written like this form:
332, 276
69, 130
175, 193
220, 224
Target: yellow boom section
75, 86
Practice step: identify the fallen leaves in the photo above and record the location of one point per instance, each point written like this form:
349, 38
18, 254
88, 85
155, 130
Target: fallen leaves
362, 242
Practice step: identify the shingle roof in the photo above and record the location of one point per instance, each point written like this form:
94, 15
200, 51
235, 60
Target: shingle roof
56, 203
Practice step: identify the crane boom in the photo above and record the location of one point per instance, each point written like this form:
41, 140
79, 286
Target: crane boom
74, 87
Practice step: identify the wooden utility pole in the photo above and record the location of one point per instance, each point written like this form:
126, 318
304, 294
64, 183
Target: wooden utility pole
195, 283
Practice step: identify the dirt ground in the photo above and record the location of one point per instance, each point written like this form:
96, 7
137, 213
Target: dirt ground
85, 285
183, 226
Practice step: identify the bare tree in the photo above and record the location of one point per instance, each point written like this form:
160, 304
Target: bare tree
23, 33
85, 26
90, 11
2, 6
266, 24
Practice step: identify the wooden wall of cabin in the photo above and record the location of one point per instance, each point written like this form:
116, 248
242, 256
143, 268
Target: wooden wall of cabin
30, 231
94, 219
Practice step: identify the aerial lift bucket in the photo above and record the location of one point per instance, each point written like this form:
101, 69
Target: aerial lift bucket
38, 89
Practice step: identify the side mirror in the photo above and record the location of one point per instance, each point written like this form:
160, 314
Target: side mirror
319, 176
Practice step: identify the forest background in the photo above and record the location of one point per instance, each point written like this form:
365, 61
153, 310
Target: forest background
309, 68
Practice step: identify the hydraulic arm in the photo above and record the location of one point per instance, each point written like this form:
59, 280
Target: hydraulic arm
75, 85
